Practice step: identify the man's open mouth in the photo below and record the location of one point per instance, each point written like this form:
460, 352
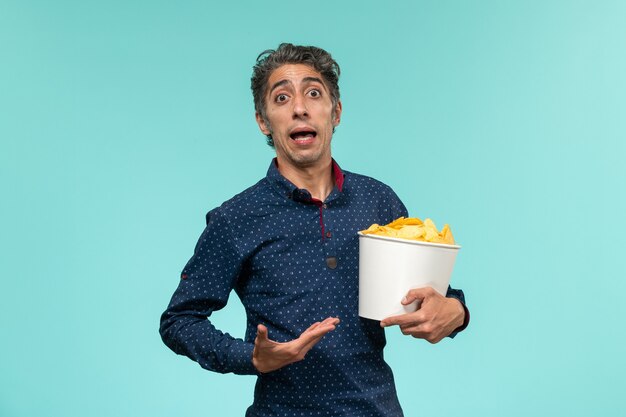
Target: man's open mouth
303, 135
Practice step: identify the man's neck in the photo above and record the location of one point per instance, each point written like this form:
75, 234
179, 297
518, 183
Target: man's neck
317, 179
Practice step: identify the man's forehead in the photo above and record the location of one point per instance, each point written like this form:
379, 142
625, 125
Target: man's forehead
293, 73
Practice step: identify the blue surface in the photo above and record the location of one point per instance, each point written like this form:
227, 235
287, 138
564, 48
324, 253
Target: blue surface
118, 122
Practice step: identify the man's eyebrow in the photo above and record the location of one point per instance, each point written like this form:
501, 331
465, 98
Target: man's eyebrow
278, 84
312, 79
304, 80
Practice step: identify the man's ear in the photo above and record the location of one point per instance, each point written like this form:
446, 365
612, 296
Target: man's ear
337, 114
262, 125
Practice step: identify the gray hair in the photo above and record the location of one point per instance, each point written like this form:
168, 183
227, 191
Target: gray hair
286, 53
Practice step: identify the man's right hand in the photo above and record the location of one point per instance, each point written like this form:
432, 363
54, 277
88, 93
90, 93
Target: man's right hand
269, 355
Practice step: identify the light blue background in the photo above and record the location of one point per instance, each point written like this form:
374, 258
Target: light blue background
122, 123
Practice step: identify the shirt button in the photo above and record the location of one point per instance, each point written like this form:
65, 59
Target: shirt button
331, 262
325, 206
328, 234
183, 276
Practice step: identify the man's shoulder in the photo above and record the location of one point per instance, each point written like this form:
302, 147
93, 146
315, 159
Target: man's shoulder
373, 192
353, 179
241, 203
260, 190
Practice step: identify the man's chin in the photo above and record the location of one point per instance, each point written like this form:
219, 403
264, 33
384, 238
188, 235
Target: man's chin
304, 158
307, 160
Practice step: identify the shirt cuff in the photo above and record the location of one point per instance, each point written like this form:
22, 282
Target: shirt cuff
466, 319
241, 360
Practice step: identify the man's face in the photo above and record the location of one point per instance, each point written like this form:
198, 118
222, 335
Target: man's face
300, 116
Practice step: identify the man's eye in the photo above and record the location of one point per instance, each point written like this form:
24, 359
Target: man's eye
315, 93
281, 97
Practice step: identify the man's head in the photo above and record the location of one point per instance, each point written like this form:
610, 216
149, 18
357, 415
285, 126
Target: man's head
270, 60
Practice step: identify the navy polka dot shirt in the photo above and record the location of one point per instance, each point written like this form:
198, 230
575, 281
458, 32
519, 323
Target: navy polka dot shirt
292, 260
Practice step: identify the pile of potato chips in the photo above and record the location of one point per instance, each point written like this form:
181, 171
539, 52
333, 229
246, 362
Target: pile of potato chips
413, 228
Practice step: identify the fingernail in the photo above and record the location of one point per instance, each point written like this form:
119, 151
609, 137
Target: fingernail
404, 300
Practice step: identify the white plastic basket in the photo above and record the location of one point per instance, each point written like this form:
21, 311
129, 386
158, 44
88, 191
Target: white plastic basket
389, 267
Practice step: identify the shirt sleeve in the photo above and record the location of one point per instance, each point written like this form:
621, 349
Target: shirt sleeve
204, 287
391, 207
458, 294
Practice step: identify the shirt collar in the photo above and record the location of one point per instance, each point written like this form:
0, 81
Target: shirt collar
289, 190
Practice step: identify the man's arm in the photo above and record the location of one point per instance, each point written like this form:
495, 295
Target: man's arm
206, 282
204, 287
436, 317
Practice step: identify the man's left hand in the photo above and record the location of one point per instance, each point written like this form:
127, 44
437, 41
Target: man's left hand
436, 317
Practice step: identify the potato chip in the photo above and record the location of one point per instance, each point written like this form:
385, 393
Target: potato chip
431, 230
447, 235
410, 232
413, 228
372, 229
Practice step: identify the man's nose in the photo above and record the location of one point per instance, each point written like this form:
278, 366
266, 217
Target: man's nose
299, 106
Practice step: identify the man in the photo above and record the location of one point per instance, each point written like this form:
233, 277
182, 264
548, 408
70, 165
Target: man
288, 246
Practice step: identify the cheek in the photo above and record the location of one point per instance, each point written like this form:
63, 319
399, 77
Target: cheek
275, 119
